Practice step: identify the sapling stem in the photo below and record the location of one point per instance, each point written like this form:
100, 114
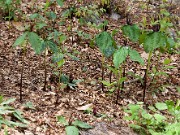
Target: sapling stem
59, 87
110, 74
45, 71
102, 75
124, 74
146, 75
118, 84
22, 71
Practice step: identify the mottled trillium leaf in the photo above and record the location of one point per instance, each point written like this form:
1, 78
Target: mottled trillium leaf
154, 40
71, 130
120, 56
132, 31
105, 43
35, 42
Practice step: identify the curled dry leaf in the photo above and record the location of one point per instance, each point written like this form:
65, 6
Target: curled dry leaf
85, 107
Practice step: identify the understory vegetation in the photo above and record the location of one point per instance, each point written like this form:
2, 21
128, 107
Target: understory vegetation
66, 65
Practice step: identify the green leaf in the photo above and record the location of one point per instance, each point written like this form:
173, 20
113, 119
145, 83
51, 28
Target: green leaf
33, 16
71, 130
8, 101
6, 110
167, 61
131, 31
120, 56
53, 47
60, 2
135, 126
159, 117
81, 124
40, 25
51, 15
20, 40
57, 57
146, 115
35, 42
29, 105
154, 40
105, 43
18, 115
62, 120
8, 2
64, 79
62, 38
161, 106
135, 56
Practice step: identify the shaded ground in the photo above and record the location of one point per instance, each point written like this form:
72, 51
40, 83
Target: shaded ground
88, 69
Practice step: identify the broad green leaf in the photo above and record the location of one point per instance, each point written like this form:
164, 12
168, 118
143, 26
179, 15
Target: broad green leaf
60, 2
105, 43
20, 40
154, 40
62, 38
64, 79
33, 16
135, 56
57, 57
131, 31
146, 115
81, 124
40, 25
62, 120
8, 2
120, 56
159, 117
51, 15
53, 47
170, 42
161, 106
60, 63
134, 107
71, 130
35, 42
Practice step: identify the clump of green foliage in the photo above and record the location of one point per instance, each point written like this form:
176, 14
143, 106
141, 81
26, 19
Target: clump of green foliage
72, 128
8, 8
10, 116
154, 121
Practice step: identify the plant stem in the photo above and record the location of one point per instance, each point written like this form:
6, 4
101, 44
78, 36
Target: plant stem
146, 75
22, 71
124, 74
45, 71
118, 84
59, 87
110, 74
102, 75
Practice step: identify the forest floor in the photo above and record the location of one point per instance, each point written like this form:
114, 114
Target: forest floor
87, 94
